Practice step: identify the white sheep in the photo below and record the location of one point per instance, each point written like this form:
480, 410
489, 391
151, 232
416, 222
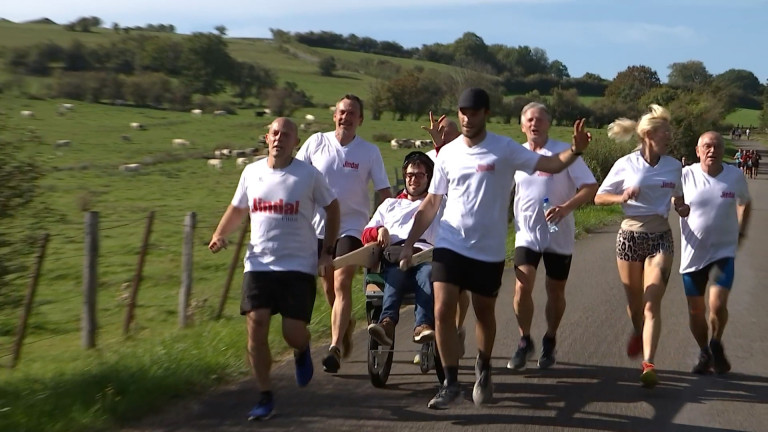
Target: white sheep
178, 142
215, 163
395, 143
67, 106
226, 152
259, 157
28, 114
241, 161
136, 126
130, 167
219, 113
309, 118
197, 112
62, 143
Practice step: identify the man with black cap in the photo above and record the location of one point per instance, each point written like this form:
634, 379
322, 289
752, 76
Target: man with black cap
475, 172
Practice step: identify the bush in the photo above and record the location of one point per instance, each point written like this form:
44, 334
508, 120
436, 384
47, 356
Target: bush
383, 137
603, 152
327, 66
71, 85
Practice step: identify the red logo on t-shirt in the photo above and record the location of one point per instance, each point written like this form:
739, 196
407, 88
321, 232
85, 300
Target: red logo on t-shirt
486, 167
668, 185
353, 165
275, 207
728, 195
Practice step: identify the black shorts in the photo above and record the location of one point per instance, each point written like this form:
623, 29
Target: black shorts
557, 266
344, 245
480, 277
288, 293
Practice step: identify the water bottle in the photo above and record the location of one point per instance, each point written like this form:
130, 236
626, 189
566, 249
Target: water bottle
546, 206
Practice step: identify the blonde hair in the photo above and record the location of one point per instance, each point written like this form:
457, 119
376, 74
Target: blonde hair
624, 129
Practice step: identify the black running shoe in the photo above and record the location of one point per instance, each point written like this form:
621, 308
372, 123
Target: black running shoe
524, 352
547, 358
721, 363
704, 365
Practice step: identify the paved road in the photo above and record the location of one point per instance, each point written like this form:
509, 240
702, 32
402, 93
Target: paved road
593, 387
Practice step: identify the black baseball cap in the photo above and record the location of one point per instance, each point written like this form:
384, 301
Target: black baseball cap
475, 98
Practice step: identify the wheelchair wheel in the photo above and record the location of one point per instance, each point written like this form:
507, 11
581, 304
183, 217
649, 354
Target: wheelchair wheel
379, 362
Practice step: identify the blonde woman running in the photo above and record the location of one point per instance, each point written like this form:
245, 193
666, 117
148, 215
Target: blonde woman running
644, 182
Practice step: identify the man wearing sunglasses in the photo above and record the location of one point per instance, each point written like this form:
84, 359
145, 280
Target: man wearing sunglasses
389, 226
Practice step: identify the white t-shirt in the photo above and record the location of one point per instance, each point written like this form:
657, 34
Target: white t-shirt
711, 230
531, 189
478, 181
658, 184
348, 169
396, 214
432, 155
282, 204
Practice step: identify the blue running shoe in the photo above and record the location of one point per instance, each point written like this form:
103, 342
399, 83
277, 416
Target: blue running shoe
304, 367
263, 411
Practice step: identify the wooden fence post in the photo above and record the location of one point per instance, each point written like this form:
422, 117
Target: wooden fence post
22, 329
137, 276
90, 276
186, 267
232, 266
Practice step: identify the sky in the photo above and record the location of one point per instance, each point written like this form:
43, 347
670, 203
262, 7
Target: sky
597, 36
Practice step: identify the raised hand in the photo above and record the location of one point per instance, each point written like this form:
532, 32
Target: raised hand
581, 137
435, 129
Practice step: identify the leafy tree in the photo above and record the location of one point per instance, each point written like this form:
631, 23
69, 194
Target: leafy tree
566, 108
252, 80
76, 57
743, 81
221, 30
116, 27
286, 100
207, 63
632, 83
559, 70
663, 96
690, 74
764, 112
327, 66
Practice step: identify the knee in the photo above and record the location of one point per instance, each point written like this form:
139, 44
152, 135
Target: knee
651, 309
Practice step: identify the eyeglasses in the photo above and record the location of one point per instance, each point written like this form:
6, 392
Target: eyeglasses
418, 175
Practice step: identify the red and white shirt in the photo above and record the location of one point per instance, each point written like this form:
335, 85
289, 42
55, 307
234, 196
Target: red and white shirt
478, 181
282, 204
348, 169
711, 230
531, 189
658, 184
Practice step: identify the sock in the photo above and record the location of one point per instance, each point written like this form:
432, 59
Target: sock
266, 397
451, 375
525, 340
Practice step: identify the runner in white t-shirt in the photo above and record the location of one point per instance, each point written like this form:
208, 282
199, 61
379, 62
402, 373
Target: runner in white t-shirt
475, 173
349, 163
280, 194
566, 191
389, 226
443, 131
719, 200
644, 182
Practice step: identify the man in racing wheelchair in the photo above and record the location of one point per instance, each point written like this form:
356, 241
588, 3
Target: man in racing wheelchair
389, 227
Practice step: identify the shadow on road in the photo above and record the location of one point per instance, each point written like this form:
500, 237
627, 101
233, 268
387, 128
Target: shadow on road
568, 396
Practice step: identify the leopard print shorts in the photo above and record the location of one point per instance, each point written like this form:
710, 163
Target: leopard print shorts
638, 245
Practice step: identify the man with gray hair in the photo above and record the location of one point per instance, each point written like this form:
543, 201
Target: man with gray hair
719, 205
544, 232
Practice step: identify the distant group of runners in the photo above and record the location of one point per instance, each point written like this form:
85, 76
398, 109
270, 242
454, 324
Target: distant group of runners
456, 200
748, 162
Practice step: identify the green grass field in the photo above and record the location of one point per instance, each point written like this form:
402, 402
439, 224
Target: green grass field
744, 117
58, 386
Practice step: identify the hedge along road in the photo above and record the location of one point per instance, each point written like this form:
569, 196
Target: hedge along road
594, 386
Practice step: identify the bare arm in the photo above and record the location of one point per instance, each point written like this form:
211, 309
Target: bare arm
233, 216
556, 163
584, 195
681, 207
332, 222
606, 198
421, 221
742, 213
384, 194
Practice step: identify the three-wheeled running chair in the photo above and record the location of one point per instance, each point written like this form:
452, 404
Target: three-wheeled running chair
380, 356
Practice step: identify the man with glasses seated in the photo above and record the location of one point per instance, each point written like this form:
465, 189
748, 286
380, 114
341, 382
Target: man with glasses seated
390, 226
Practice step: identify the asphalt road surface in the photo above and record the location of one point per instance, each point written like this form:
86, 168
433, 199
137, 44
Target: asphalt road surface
594, 386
